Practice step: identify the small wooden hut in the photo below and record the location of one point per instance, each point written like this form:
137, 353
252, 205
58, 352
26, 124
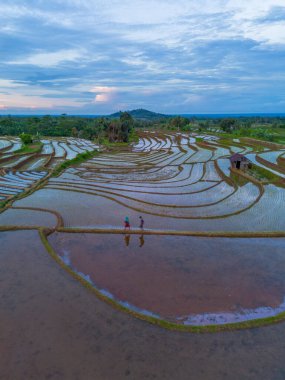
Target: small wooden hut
239, 161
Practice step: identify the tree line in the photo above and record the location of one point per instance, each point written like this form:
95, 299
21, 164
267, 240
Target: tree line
120, 129
114, 130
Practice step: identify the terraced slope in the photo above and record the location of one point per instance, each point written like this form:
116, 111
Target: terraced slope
21, 171
210, 252
54, 151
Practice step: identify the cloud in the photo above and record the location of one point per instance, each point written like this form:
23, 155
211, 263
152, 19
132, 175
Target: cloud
104, 94
7, 84
49, 59
93, 56
103, 89
35, 102
104, 98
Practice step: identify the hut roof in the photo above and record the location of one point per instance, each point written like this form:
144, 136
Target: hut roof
238, 157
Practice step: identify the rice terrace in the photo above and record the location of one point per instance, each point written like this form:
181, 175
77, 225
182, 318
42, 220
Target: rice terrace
142, 190
211, 254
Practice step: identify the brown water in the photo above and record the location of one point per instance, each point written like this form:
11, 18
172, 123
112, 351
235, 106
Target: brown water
182, 278
53, 328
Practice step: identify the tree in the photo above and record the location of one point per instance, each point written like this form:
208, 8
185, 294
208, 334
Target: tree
228, 125
113, 131
179, 122
26, 138
127, 123
74, 132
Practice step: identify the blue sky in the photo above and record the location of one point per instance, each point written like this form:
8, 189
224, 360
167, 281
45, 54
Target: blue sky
183, 56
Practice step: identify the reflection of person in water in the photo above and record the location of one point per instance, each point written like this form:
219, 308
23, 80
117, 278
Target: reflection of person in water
127, 240
141, 239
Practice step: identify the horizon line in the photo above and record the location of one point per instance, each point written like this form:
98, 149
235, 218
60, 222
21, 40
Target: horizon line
168, 114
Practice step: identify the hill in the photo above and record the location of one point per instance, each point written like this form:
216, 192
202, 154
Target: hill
141, 114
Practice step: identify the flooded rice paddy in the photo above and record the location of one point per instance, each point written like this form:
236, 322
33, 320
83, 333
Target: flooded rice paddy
54, 328
180, 188
182, 279
14, 162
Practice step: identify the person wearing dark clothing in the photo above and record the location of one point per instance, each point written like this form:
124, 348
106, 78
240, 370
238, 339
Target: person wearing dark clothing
141, 223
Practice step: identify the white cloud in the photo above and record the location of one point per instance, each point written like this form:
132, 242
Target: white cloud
15, 100
7, 84
49, 59
137, 50
269, 34
103, 89
104, 94
162, 21
104, 98
19, 10
14, 94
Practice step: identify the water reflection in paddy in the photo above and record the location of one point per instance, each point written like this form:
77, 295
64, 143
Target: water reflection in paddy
215, 280
86, 210
18, 217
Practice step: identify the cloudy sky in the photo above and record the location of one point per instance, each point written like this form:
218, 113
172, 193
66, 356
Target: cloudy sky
182, 56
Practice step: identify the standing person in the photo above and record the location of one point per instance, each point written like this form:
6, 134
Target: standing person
141, 223
127, 223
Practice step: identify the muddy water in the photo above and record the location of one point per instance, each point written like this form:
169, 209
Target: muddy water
180, 278
53, 328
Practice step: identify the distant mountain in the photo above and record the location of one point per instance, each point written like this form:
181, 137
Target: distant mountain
142, 114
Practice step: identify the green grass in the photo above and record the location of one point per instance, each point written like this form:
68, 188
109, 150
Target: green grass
275, 135
263, 174
81, 157
2, 204
118, 144
109, 144
133, 138
30, 148
238, 180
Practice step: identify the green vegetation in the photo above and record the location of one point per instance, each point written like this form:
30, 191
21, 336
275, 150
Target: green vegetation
2, 204
268, 129
262, 174
75, 161
120, 130
133, 138
228, 125
118, 127
26, 138
102, 130
30, 148
115, 130
108, 144
141, 114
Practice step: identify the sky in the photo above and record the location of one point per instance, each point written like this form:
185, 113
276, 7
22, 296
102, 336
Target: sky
183, 56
